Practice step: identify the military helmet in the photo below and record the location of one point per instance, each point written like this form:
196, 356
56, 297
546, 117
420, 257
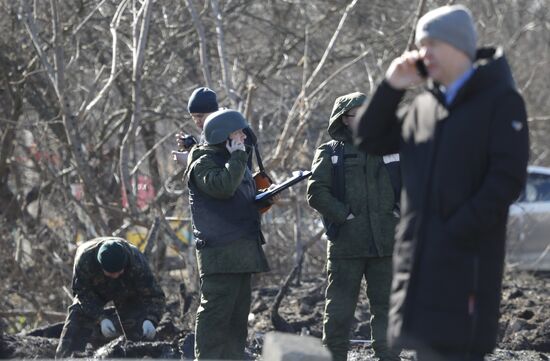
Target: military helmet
220, 124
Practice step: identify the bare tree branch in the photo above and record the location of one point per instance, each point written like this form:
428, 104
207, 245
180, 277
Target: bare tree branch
87, 18
203, 49
338, 71
151, 151
139, 41
226, 76
57, 77
302, 98
419, 13
30, 25
331, 42
114, 54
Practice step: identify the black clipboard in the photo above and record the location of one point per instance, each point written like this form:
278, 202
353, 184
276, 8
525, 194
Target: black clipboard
303, 174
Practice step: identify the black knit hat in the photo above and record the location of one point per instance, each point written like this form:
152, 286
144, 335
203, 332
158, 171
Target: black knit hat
111, 256
202, 100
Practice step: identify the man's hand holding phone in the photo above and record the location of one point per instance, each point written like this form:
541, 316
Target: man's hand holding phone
185, 141
405, 71
233, 145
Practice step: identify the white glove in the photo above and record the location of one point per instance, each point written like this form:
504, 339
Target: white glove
232, 146
350, 216
107, 328
149, 331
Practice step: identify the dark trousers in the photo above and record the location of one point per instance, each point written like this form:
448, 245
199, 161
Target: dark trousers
446, 355
221, 326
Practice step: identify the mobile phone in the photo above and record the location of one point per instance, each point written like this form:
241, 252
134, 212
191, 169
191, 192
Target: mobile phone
187, 141
421, 68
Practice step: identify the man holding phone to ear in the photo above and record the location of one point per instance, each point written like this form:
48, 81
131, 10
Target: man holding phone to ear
464, 148
226, 228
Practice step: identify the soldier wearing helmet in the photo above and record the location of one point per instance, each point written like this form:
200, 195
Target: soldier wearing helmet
228, 238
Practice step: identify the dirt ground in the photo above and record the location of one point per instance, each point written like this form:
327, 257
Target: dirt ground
524, 325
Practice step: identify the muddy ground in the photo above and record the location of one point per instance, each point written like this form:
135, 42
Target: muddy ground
524, 325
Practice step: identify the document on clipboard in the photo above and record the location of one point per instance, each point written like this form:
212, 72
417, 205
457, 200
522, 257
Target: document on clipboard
298, 177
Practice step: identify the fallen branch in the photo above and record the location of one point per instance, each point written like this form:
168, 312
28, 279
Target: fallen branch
279, 323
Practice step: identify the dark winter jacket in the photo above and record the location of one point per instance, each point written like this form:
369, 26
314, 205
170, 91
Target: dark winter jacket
136, 285
226, 221
222, 215
368, 193
462, 166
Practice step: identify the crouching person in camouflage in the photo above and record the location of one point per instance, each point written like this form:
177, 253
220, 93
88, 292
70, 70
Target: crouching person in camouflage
110, 269
226, 227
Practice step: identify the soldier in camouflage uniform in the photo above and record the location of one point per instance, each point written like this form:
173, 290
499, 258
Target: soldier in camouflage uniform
362, 218
226, 227
110, 269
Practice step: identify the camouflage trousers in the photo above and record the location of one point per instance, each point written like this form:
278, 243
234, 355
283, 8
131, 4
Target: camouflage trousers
222, 318
79, 329
344, 284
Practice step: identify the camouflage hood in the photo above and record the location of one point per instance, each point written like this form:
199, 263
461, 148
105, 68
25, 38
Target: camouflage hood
336, 129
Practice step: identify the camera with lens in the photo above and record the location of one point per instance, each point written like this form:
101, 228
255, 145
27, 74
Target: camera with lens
186, 141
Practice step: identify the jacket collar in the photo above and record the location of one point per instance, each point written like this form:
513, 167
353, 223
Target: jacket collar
491, 69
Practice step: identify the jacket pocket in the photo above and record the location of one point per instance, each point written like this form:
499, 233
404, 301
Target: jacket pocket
350, 227
349, 242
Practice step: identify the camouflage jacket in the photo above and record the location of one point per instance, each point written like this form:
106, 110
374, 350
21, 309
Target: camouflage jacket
92, 289
368, 192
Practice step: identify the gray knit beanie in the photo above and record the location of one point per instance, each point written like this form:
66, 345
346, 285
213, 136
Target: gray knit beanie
451, 24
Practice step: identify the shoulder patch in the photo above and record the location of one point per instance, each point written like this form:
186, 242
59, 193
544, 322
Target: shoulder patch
390, 158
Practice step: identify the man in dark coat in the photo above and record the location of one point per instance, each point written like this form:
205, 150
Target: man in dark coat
111, 269
464, 149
